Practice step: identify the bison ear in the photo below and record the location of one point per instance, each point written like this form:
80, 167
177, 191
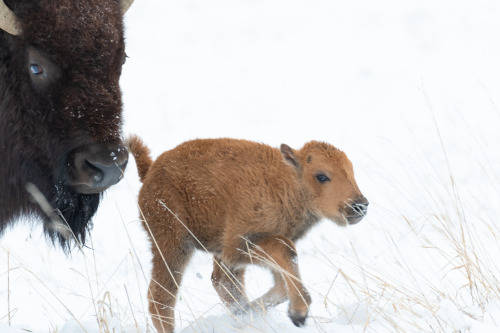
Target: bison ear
8, 20
126, 5
289, 156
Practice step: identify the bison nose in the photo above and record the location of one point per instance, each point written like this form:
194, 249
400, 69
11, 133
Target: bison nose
96, 167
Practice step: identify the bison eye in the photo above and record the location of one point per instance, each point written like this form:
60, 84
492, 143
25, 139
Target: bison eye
43, 71
36, 70
322, 178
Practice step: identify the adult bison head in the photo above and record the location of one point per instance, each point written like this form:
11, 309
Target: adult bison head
60, 109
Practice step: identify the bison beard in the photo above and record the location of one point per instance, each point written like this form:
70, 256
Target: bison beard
66, 207
77, 211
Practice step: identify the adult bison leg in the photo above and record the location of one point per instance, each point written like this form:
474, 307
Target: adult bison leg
230, 285
169, 264
277, 253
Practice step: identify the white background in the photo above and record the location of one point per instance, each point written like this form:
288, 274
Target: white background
408, 89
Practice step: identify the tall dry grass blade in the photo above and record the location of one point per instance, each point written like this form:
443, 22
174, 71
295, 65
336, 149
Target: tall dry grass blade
56, 297
131, 309
8, 287
135, 257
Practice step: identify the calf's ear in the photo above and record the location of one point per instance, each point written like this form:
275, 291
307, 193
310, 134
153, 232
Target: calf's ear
289, 156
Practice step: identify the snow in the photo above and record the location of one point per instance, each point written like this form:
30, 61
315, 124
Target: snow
409, 90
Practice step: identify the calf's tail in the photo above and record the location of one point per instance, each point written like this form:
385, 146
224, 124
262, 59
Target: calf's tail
141, 154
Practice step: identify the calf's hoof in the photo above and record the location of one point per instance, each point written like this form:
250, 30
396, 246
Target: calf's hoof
298, 317
239, 309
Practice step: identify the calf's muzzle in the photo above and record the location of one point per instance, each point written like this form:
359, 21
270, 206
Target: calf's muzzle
356, 210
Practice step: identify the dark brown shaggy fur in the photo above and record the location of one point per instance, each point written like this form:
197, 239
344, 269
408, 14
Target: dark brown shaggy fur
44, 122
246, 203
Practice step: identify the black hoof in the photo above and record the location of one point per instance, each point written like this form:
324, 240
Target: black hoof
298, 319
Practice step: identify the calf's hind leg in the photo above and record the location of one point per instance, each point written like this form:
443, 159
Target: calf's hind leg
230, 285
168, 267
277, 253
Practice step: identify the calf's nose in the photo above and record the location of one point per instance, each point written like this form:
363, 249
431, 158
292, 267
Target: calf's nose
361, 206
357, 210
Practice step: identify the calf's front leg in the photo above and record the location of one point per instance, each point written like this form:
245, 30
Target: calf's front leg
277, 253
275, 296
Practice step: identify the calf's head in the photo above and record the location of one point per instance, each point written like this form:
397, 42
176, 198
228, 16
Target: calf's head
329, 176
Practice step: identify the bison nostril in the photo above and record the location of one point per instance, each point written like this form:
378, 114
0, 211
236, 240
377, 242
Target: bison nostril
97, 167
106, 175
98, 175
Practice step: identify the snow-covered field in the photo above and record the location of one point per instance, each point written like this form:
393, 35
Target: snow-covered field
410, 90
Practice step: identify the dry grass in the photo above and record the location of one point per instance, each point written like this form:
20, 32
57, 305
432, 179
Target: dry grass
452, 240
431, 266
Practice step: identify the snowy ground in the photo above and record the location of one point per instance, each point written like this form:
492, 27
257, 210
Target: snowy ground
408, 89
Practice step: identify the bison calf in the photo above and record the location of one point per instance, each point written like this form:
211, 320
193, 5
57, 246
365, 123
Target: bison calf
246, 203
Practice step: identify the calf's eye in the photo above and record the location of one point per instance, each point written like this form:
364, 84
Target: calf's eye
322, 178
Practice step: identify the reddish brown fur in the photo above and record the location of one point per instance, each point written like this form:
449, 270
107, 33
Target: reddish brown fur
141, 154
245, 203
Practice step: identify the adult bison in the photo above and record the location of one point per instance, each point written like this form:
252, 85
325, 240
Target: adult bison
60, 110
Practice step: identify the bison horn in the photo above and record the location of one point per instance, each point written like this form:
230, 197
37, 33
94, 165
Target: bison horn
8, 20
125, 5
